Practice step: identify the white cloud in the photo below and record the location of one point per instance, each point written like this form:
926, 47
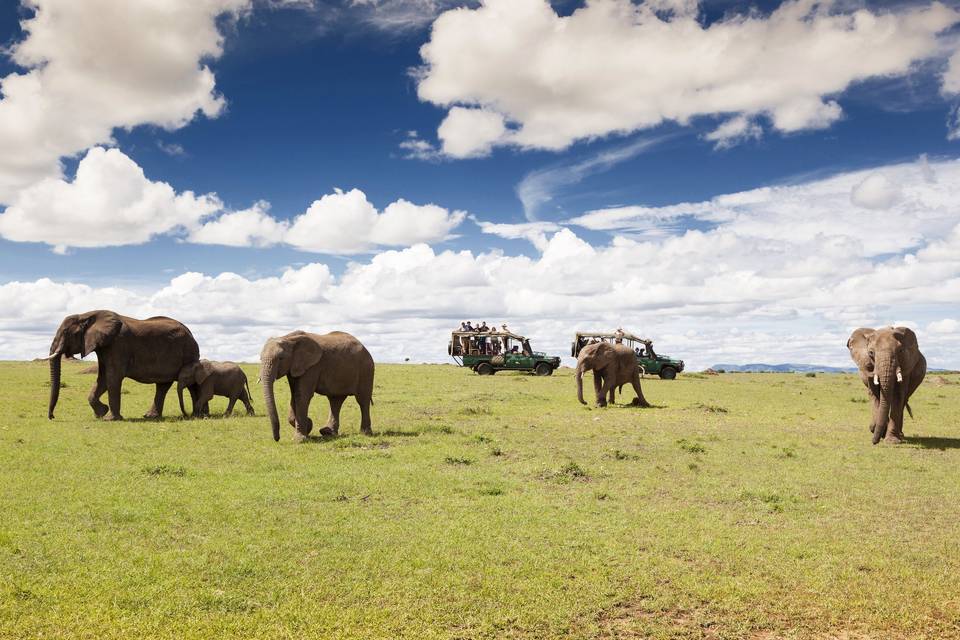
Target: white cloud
947, 325
826, 213
875, 192
539, 188
110, 202
415, 148
401, 15
616, 67
734, 131
533, 232
253, 227
85, 77
470, 133
346, 222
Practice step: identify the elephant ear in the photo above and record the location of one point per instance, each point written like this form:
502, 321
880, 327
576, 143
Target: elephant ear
306, 353
859, 345
906, 336
203, 370
101, 327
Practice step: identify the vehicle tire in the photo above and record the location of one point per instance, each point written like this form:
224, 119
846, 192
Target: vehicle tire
543, 369
668, 373
485, 369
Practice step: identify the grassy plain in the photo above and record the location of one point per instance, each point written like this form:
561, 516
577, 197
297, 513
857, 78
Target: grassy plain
742, 506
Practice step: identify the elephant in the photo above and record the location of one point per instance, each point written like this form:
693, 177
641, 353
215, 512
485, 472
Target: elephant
151, 351
891, 368
210, 379
613, 365
335, 365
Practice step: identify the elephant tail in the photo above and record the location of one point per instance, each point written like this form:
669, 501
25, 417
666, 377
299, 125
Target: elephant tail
909, 410
246, 384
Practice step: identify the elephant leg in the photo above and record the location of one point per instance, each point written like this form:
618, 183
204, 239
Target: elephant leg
364, 402
639, 400
292, 416
333, 422
895, 427
303, 395
875, 404
245, 399
229, 411
598, 391
202, 408
608, 385
99, 387
156, 409
114, 385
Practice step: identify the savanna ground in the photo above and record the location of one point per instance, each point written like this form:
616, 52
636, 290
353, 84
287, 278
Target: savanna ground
742, 506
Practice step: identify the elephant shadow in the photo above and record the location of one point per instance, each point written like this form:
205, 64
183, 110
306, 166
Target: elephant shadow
934, 442
634, 405
319, 438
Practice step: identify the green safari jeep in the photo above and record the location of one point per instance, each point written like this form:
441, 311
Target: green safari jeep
651, 362
489, 352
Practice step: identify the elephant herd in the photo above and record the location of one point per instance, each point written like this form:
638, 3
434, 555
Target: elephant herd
162, 351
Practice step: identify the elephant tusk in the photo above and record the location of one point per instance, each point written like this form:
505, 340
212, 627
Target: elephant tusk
876, 380
258, 380
899, 375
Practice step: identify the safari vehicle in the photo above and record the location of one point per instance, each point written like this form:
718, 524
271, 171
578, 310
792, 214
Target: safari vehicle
651, 362
489, 352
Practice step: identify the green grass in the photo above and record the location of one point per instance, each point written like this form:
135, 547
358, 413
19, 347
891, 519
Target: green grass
742, 506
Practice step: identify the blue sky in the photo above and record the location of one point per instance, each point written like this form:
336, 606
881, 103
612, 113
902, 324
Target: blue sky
322, 96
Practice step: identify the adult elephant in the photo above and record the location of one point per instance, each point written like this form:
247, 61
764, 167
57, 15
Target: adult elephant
891, 368
613, 365
151, 351
335, 365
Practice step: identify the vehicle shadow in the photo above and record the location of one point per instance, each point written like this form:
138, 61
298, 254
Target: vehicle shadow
934, 442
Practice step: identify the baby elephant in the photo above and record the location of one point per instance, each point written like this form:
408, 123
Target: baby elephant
210, 379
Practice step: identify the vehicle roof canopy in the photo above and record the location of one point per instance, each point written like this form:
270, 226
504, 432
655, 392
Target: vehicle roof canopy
497, 334
612, 334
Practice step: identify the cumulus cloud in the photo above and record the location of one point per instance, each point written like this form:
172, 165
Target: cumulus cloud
780, 274
109, 202
346, 222
515, 72
253, 227
85, 77
875, 192
470, 133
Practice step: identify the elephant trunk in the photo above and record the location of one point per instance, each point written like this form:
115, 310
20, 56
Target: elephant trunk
580, 368
268, 375
885, 376
183, 409
54, 383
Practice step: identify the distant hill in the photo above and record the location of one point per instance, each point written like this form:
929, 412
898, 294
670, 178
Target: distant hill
782, 368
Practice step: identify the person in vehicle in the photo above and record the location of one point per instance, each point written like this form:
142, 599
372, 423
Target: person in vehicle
649, 348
